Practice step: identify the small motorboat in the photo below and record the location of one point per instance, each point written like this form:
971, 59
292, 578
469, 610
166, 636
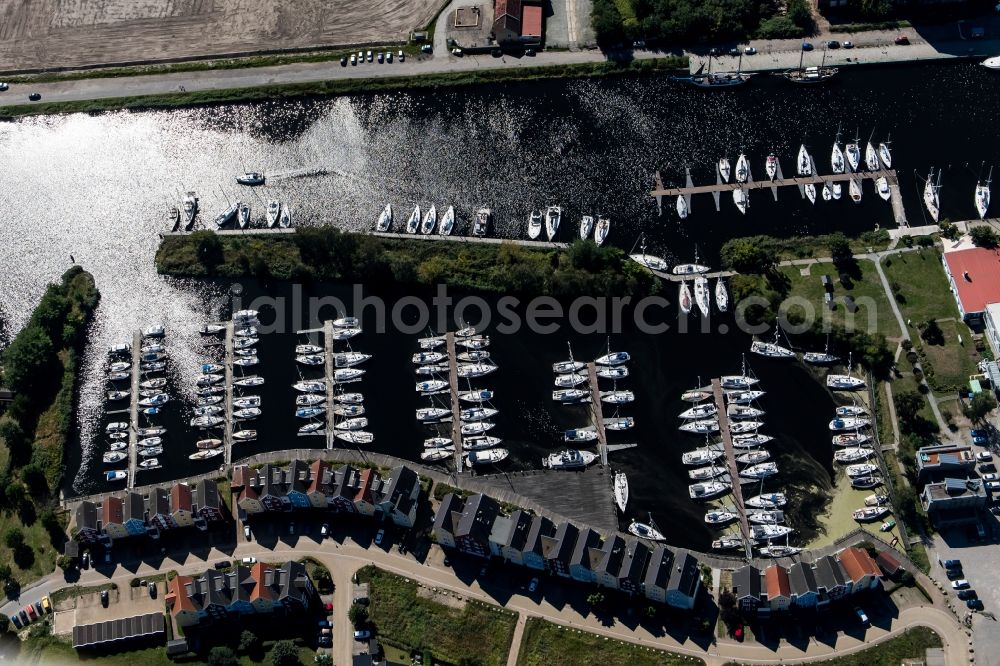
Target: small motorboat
447, 224
876, 499
246, 316
534, 224
882, 187
251, 178
586, 226
384, 221
851, 410
682, 207
117, 426
482, 223
708, 489
413, 223
587, 434
486, 457
430, 221
771, 166
117, 435
827, 192
720, 517
117, 445
155, 401
870, 513
115, 396
855, 190
569, 459
116, 475
866, 482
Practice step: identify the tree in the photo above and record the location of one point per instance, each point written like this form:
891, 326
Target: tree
840, 248
221, 655
208, 249
285, 653
27, 358
4, 623
66, 563
932, 333
248, 641
908, 405
13, 538
595, 599
981, 404
607, 23
728, 611
984, 236
323, 659
749, 255
357, 614
800, 14
17, 442
5, 572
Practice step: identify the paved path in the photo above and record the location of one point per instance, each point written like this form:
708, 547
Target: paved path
778, 54
343, 559
515, 643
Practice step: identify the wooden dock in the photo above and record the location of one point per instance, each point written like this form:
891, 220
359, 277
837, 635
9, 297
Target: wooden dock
690, 189
253, 231
734, 474
456, 408
328, 348
227, 433
483, 240
133, 418
597, 413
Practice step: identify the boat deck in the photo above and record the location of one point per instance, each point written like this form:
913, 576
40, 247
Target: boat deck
597, 413
227, 436
456, 408
133, 418
734, 474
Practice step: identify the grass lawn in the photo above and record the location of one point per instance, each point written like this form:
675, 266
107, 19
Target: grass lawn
952, 362
919, 280
910, 645
547, 644
44, 560
404, 617
873, 307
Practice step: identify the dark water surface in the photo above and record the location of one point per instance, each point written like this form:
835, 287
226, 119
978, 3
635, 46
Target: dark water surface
97, 188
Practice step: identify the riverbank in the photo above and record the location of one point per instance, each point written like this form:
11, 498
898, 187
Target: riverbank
305, 80
325, 253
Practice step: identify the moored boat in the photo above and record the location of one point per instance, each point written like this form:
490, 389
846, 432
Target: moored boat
384, 221
621, 490
644, 531
569, 459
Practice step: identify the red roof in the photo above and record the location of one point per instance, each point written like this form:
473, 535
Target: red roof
112, 512
531, 21
777, 582
857, 563
507, 15
982, 286
180, 497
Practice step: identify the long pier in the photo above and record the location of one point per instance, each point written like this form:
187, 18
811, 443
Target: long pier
456, 408
734, 474
484, 240
328, 348
227, 433
597, 412
133, 417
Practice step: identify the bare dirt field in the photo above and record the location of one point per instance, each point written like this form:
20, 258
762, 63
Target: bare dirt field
78, 33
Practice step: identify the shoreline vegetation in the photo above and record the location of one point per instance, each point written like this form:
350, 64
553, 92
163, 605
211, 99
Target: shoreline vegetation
328, 254
40, 368
336, 87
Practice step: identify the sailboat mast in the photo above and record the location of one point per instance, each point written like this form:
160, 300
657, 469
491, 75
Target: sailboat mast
802, 54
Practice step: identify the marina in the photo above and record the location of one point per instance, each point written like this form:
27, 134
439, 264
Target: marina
730, 456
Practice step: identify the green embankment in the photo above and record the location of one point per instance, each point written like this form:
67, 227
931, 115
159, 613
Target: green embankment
325, 253
548, 644
352, 86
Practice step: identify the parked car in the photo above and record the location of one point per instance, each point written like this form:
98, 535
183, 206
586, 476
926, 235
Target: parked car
16, 619
3, 86
456, 51
379, 536
381, 57
806, 46
32, 614
848, 45
325, 530
47, 604
86, 559
222, 564
325, 641
979, 432
152, 590
750, 50
980, 440
960, 584
291, 528
34, 97
388, 57
965, 595
328, 607
902, 40
324, 624
952, 564
529, 52
954, 574
361, 600
533, 585
354, 59
984, 456
402, 56
974, 604
362, 634
107, 557
25, 621
861, 615
343, 61
38, 608
246, 528
105, 598
833, 44
426, 48
734, 51
249, 561
993, 476
370, 56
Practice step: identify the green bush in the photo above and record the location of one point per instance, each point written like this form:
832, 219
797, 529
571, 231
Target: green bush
779, 27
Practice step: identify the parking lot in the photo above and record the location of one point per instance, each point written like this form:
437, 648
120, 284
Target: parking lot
123, 602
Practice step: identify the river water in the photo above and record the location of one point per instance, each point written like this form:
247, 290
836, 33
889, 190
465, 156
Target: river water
97, 188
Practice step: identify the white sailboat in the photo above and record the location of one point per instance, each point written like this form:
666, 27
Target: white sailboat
552, 217
430, 221
447, 224
827, 192
931, 195
810, 189
855, 190
724, 169
853, 152
650, 261
701, 295
871, 156
273, 209
742, 169
413, 223
804, 162
742, 199
885, 154
682, 207
601, 229
837, 156
586, 226
621, 491
384, 219
721, 296
771, 166
685, 297
983, 195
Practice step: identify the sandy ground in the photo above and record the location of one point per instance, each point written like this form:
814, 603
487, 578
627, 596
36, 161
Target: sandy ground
74, 33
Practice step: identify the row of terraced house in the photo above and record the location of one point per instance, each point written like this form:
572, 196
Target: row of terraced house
134, 514
476, 526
